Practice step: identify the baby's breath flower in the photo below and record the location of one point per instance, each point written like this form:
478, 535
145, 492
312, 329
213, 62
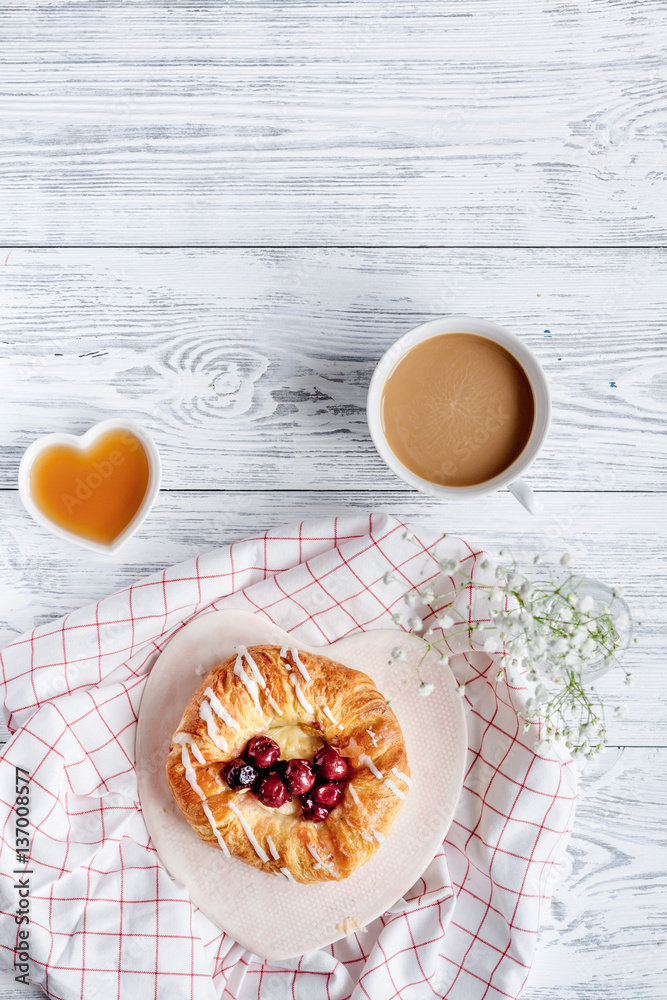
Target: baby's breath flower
548, 631
426, 689
408, 536
621, 711
398, 654
397, 618
449, 565
565, 559
617, 592
630, 679
388, 577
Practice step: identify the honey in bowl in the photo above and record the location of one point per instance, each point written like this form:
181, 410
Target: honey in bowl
457, 409
93, 492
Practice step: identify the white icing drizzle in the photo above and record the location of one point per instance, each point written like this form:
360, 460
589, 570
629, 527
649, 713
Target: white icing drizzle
299, 693
247, 682
220, 711
288, 875
327, 712
206, 713
192, 781
321, 862
403, 777
366, 837
354, 795
218, 835
299, 665
365, 760
242, 651
380, 837
272, 847
259, 851
273, 703
394, 788
190, 775
372, 736
184, 739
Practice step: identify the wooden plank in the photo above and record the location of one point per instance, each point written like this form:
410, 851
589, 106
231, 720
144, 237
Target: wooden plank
604, 935
250, 368
43, 577
333, 123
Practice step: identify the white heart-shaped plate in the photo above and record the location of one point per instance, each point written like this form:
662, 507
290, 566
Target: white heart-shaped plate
272, 917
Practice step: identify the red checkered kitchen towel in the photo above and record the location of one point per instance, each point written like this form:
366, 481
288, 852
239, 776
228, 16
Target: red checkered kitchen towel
107, 921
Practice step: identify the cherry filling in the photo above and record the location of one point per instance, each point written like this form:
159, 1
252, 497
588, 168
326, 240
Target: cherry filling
299, 776
329, 763
240, 774
262, 751
272, 792
328, 795
316, 783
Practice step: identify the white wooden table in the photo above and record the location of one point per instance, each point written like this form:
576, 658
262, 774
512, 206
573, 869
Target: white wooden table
217, 216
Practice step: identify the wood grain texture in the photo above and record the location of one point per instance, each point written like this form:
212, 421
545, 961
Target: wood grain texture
43, 577
256, 123
250, 368
606, 932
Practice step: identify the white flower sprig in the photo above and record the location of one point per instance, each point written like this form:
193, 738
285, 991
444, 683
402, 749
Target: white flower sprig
546, 630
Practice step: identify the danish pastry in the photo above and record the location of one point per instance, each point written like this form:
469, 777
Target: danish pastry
290, 762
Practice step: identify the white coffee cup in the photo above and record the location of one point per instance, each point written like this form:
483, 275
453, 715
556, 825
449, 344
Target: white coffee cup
509, 477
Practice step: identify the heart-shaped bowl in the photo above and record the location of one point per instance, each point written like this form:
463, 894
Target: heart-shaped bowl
83, 444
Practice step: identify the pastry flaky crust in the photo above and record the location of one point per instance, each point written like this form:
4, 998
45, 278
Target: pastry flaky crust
258, 690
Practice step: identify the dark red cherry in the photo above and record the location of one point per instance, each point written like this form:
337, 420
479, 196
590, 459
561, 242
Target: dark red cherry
329, 763
272, 792
299, 776
312, 810
262, 751
240, 774
328, 795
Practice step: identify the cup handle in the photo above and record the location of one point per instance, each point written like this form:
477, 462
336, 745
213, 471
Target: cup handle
522, 492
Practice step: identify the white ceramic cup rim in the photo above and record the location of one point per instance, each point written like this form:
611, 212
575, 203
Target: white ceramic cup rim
483, 328
81, 443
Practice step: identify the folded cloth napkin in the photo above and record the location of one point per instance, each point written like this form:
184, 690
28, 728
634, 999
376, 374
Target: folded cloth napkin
107, 921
